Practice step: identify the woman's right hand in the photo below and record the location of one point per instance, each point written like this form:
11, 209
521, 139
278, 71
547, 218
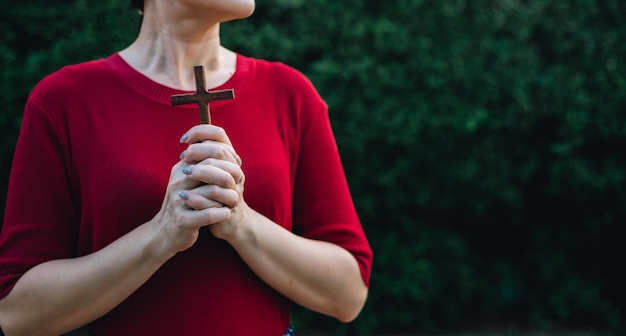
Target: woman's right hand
205, 199
50, 297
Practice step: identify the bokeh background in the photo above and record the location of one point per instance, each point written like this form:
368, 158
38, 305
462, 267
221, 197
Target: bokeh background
484, 142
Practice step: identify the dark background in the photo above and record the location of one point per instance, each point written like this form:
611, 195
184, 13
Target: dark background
483, 141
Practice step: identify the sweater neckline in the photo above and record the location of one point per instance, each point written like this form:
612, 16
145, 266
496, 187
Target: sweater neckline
162, 93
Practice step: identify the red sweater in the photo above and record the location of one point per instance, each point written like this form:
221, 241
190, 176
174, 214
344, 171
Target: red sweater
93, 159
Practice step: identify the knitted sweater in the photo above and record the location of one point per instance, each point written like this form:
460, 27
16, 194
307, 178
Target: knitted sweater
93, 159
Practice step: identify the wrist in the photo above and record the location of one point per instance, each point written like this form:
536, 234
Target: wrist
156, 247
243, 233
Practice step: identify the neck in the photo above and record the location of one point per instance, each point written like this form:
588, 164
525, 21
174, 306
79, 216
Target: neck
167, 53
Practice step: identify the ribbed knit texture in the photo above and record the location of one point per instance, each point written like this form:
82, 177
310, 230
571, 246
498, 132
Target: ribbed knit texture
93, 159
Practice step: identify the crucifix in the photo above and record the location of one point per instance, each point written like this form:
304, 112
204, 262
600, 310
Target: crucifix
202, 97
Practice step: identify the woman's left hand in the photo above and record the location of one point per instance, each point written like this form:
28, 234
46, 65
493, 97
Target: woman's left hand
287, 262
214, 164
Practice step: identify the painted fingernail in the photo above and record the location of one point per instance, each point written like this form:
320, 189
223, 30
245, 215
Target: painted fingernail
182, 155
184, 138
183, 194
187, 170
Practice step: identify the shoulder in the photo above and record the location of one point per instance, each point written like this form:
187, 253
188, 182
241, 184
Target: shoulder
68, 81
64, 94
283, 71
284, 78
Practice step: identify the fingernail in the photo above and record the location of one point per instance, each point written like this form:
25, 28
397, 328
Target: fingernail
187, 170
182, 155
238, 158
183, 194
184, 138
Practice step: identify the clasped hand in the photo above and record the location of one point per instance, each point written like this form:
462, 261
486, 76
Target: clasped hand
205, 189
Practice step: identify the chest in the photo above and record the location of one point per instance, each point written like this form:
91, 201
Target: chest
124, 156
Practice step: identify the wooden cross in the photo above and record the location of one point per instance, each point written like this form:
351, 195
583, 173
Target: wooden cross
202, 97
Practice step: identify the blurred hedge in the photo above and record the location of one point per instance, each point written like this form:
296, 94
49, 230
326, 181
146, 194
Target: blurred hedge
483, 141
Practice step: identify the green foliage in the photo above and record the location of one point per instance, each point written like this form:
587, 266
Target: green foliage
41, 37
483, 142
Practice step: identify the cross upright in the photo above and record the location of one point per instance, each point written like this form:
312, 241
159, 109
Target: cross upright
202, 97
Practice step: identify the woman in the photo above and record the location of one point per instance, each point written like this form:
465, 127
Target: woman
109, 226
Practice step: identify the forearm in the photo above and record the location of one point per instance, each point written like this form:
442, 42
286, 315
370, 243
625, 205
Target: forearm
61, 295
315, 274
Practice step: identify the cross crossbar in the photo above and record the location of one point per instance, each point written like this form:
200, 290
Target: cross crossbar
202, 97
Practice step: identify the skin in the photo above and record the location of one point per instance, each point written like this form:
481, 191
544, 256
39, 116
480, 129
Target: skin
49, 299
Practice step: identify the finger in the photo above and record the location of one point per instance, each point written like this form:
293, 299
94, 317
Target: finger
201, 133
223, 196
196, 201
230, 149
211, 175
207, 216
209, 149
179, 178
232, 168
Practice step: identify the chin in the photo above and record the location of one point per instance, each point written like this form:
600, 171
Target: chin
222, 10
243, 8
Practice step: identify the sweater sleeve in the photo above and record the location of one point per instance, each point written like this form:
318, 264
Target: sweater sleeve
323, 206
40, 218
